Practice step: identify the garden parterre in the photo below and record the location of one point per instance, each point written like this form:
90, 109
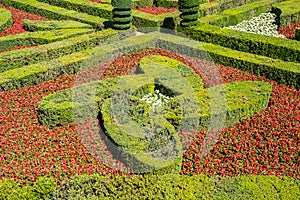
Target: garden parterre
267, 143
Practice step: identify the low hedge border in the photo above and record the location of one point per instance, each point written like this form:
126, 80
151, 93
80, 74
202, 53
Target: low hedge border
273, 69
36, 73
278, 70
142, 3
289, 11
84, 6
38, 38
19, 58
236, 15
140, 19
54, 12
50, 108
207, 8
36, 25
219, 6
5, 19
277, 48
173, 186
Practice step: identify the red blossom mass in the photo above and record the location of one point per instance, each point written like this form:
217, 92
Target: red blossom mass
289, 30
267, 143
18, 16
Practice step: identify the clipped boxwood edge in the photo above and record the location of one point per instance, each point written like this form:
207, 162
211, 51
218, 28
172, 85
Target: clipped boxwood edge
39, 38
274, 69
172, 186
277, 48
35, 25
140, 19
85, 6
236, 15
54, 12
19, 58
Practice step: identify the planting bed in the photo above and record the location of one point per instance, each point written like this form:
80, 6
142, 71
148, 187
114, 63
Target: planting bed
63, 133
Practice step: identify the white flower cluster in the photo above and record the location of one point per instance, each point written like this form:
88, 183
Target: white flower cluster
156, 99
263, 24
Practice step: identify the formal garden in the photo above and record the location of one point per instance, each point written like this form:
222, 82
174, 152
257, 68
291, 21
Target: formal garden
149, 99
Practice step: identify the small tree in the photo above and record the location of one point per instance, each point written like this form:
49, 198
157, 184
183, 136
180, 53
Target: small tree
189, 12
122, 14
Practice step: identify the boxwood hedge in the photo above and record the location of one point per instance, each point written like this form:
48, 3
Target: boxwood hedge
155, 187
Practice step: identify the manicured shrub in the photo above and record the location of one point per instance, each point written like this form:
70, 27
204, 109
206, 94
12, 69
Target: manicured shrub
189, 12
165, 186
122, 14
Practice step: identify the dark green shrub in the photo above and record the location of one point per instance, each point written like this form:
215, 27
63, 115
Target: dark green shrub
297, 34
189, 12
122, 15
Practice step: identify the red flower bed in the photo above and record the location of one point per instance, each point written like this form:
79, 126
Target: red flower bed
18, 16
156, 10
289, 31
267, 143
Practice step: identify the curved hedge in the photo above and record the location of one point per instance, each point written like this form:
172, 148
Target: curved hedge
5, 19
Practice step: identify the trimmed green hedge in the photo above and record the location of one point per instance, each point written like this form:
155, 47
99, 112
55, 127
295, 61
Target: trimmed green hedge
289, 11
5, 19
167, 3
36, 25
236, 15
155, 187
19, 58
280, 71
54, 12
136, 3
142, 3
38, 38
274, 69
35, 73
51, 109
156, 154
277, 48
140, 19
85, 6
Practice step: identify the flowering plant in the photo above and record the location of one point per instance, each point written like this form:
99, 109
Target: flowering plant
156, 99
264, 24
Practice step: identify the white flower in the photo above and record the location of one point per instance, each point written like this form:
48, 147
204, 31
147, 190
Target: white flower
156, 99
263, 24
